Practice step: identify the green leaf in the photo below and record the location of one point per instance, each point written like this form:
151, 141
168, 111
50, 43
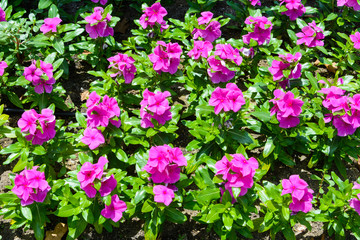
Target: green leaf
58, 44
214, 213
77, 225
139, 196
44, 4
207, 195
50, 58
228, 221
39, 150
26, 212
175, 215
147, 207
67, 211
73, 34
38, 222
88, 215
80, 118
13, 148
53, 11
241, 136
14, 99
121, 155
269, 147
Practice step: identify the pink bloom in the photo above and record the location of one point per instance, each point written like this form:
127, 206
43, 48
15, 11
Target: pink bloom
287, 108
303, 204
227, 52
30, 186
219, 100
311, 35
277, 68
2, 15
166, 57
27, 122
210, 33
97, 116
262, 30
107, 185
295, 9
3, 65
349, 3
102, 2
205, 18
255, 2
295, 186
218, 72
163, 194
97, 26
152, 15
42, 84
50, 24
201, 48
111, 105
355, 203
354, 38
47, 69
93, 138
122, 64
32, 73
93, 100
115, 209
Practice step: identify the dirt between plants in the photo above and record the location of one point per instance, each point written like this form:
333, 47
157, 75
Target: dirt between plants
76, 89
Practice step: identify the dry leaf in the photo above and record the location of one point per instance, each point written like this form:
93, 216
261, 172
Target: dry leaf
57, 233
331, 68
84, 95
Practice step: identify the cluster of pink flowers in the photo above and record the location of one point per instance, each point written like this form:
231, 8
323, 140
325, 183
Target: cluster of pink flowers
98, 24
218, 71
295, 9
166, 57
238, 172
99, 114
164, 166
311, 35
226, 99
287, 108
115, 209
40, 127
211, 30
122, 65
41, 76
30, 186
90, 172
255, 2
152, 15
2, 15
3, 65
289, 62
155, 106
355, 38
201, 48
261, 30
50, 24
355, 202
300, 193
349, 3
345, 110
102, 2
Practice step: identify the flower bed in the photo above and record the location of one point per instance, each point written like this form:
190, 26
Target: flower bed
250, 135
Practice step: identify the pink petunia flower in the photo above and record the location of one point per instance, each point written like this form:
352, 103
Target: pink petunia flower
295, 186
50, 24
218, 71
210, 33
261, 30
122, 65
3, 65
97, 25
205, 18
154, 15
201, 48
107, 185
355, 38
311, 35
163, 194
93, 138
115, 209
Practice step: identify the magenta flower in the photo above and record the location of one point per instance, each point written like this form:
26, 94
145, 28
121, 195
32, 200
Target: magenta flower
2, 15
102, 2
152, 15
27, 122
122, 65
3, 65
220, 100
97, 116
303, 204
295, 9
163, 194
311, 35
166, 57
201, 48
50, 24
154, 106
210, 33
205, 18
93, 138
295, 186
115, 209
41, 78
93, 100
287, 108
111, 105
97, 25
227, 52
42, 84
261, 30
107, 185
349, 3
344, 125
30, 186
218, 71
32, 73
354, 38
277, 68
255, 2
